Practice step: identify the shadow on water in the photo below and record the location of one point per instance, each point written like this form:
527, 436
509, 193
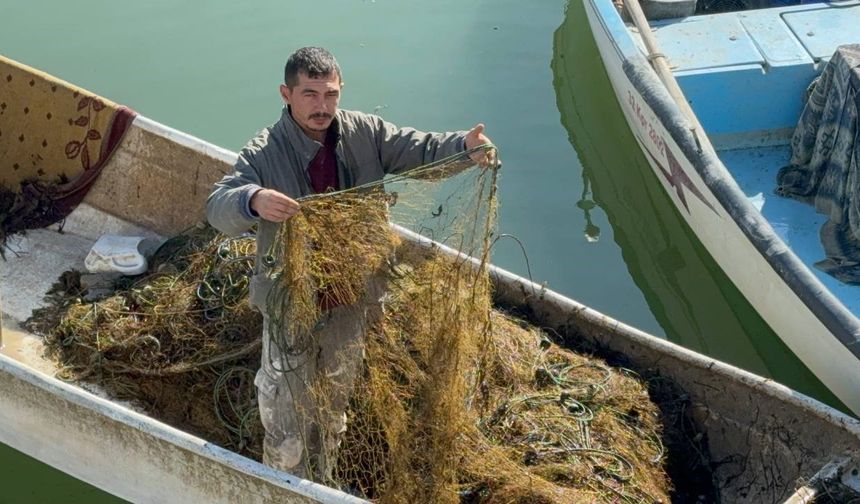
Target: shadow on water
25, 480
692, 299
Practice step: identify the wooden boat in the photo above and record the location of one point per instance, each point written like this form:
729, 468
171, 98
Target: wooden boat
762, 438
714, 117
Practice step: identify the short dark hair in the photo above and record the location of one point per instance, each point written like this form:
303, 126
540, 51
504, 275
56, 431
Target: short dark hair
316, 62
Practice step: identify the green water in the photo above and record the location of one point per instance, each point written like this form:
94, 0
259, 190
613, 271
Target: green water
24, 480
212, 69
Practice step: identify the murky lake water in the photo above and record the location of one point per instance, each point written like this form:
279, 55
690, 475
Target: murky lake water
604, 234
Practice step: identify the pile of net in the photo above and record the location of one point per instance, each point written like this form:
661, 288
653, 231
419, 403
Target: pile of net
455, 402
180, 342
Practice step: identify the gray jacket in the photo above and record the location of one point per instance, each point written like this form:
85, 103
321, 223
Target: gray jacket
367, 149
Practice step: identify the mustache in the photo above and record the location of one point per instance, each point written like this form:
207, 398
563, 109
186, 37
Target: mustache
320, 115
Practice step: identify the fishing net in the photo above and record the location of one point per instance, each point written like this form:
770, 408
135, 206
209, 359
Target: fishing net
181, 341
452, 401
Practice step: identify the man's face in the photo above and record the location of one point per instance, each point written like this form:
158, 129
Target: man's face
313, 102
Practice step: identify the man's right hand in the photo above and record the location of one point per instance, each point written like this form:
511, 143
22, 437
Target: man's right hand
476, 137
273, 205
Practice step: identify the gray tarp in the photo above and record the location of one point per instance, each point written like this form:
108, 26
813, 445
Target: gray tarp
825, 162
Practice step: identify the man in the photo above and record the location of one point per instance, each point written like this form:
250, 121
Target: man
314, 147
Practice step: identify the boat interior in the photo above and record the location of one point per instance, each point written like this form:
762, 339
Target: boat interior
746, 67
116, 205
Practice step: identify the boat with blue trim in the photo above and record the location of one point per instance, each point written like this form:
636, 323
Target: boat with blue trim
719, 97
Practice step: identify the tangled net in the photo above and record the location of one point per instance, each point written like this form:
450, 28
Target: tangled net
180, 341
455, 402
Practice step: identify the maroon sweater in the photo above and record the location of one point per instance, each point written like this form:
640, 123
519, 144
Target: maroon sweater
323, 175
323, 167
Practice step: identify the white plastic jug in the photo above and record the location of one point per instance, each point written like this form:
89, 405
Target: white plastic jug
113, 253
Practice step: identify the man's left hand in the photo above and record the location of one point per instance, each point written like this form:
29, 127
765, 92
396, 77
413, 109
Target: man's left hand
476, 137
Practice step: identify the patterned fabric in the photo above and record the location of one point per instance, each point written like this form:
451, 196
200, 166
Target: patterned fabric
54, 132
825, 163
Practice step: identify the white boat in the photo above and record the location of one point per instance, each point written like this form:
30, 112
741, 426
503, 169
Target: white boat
761, 438
714, 117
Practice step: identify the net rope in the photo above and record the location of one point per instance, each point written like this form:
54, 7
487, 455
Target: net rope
453, 401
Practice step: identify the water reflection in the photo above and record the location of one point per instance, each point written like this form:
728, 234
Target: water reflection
686, 291
586, 204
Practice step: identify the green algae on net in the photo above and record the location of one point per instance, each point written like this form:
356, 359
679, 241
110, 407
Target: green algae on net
457, 401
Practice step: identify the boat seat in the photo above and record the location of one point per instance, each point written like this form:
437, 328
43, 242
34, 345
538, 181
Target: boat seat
745, 73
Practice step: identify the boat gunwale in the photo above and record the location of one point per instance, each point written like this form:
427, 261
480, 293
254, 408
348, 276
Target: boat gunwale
823, 304
150, 426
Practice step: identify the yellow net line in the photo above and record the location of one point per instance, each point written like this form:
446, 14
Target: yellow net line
180, 341
447, 400
451, 402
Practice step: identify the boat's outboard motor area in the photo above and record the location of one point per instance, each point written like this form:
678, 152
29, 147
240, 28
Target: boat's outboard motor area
825, 164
